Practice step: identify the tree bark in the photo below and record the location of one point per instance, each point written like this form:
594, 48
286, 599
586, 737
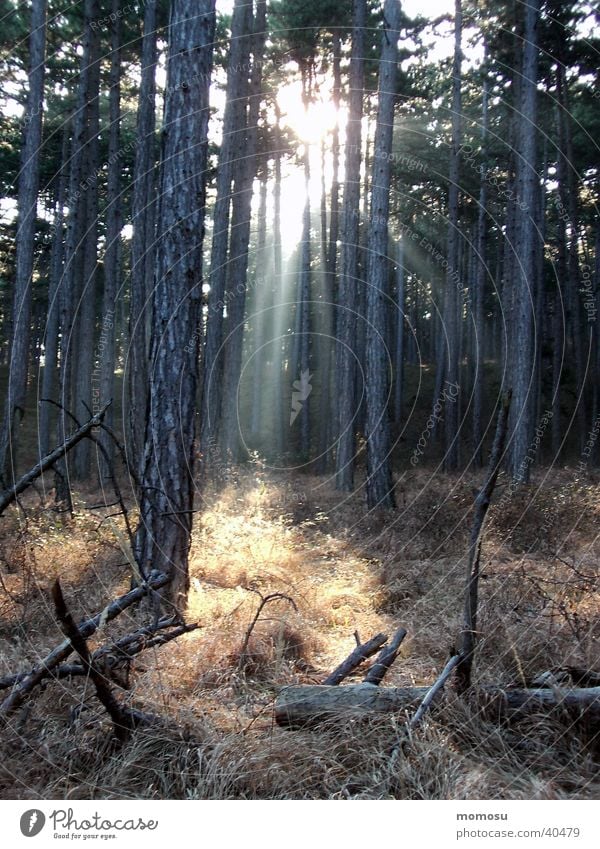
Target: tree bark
380, 492
241, 218
167, 500
348, 284
233, 130
526, 188
112, 257
29, 176
143, 245
303, 705
85, 310
52, 321
452, 300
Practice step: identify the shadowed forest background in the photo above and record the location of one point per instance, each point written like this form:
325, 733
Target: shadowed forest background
299, 345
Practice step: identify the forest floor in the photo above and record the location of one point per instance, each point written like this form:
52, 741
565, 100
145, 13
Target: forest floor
346, 571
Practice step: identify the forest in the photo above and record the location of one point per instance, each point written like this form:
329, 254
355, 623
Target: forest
300, 375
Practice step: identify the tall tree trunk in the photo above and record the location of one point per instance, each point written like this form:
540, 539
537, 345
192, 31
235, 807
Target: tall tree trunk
348, 285
380, 492
479, 289
399, 340
233, 132
73, 261
112, 256
262, 270
52, 319
453, 302
570, 203
29, 175
143, 245
280, 311
241, 218
527, 187
330, 246
167, 499
85, 312
301, 374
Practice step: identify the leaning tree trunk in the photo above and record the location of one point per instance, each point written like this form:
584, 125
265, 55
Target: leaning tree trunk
348, 292
27, 208
527, 186
142, 243
380, 492
112, 256
167, 496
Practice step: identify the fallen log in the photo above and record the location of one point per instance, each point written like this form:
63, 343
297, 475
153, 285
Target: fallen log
304, 705
86, 629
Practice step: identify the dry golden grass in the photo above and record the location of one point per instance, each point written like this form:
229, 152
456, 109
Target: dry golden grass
346, 571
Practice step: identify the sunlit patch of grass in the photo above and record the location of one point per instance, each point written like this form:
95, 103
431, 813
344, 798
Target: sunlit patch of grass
346, 571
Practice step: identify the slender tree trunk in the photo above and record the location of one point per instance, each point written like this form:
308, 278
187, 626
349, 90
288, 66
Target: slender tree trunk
280, 310
453, 301
73, 262
304, 304
246, 168
52, 320
233, 131
479, 290
112, 256
143, 246
261, 273
399, 341
85, 311
380, 492
167, 498
348, 286
29, 175
579, 332
527, 187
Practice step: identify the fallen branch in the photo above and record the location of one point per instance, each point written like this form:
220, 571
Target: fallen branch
11, 494
360, 653
113, 655
303, 705
123, 720
86, 629
433, 691
383, 662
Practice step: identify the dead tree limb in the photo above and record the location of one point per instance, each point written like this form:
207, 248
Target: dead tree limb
384, 660
86, 629
433, 691
112, 655
305, 705
11, 494
360, 653
264, 600
122, 719
464, 666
